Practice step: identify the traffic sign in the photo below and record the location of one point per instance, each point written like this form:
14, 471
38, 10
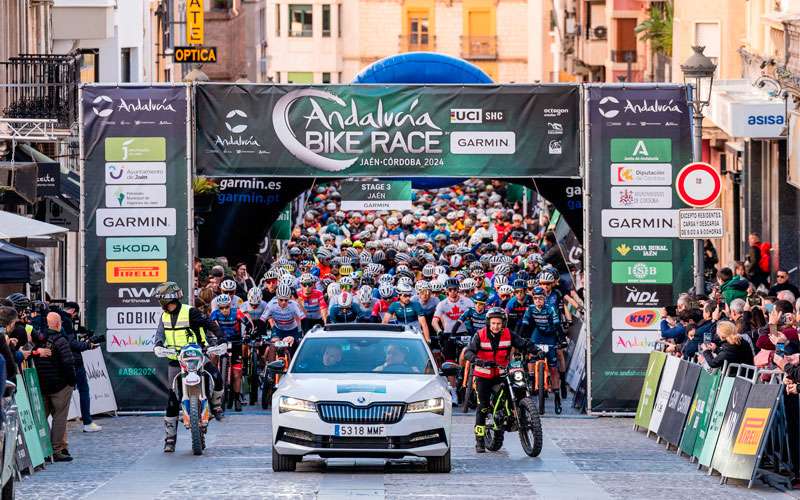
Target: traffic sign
698, 184
696, 224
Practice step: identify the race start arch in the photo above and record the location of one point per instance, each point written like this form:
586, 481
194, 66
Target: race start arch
143, 146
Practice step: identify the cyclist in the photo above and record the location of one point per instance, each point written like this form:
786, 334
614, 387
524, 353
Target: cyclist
447, 314
489, 351
313, 303
284, 316
254, 309
235, 325
518, 304
344, 310
473, 318
406, 312
366, 302
426, 300
269, 285
542, 324
180, 325
386, 295
228, 287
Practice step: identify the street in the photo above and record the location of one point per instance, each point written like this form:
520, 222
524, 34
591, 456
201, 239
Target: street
582, 458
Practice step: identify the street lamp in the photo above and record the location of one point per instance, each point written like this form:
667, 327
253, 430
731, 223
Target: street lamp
698, 73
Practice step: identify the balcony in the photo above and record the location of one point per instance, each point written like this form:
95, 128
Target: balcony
623, 56
39, 86
417, 43
793, 53
479, 47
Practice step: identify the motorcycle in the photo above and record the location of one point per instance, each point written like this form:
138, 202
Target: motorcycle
513, 410
195, 385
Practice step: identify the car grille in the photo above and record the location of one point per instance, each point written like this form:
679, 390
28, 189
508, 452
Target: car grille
415, 440
346, 413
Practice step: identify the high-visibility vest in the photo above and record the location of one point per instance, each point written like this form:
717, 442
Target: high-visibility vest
180, 333
486, 353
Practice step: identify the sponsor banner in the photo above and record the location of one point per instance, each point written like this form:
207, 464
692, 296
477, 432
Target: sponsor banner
723, 453
376, 195
657, 273
632, 174
136, 248
282, 227
641, 197
680, 400
391, 130
36, 400
641, 249
709, 442
135, 210
634, 342
641, 150
136, 172
136, 271
753, 430
28, 426
635, 318
132, 318
130, 340
101, 393
644, 409
133, 196
639, 223
664, 390
641, 295
138, 222
22, 457
697, 420
48, 179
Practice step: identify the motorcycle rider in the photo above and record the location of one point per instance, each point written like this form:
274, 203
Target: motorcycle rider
180, 325
489, 351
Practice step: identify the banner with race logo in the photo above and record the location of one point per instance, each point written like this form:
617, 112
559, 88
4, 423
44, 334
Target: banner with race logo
387, 130
137, 225
636, 265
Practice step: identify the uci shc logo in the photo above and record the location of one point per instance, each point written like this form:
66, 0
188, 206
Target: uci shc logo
235, 129
611, 113
102, 106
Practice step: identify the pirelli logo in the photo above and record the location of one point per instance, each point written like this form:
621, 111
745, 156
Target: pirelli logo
136, 271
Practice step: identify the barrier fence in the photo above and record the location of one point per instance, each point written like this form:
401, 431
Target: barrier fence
727, 420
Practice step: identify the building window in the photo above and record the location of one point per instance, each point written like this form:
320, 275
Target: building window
301, 77
625, 41
418, 35
278, 20
326, 20
340, 78
125, 65
339, 20
708, 36
326, 78
90, 66
300, 20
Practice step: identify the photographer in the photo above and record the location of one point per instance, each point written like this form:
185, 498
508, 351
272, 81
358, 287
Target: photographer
70, 315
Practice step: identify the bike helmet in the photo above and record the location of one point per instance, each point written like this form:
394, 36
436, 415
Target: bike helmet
505, 247
333, 289
386, 290
20, 301
497, 312
480, 297
168, 292
345, 270
405, 281
288, 280
427, 270
228, 285
254, 296
531, 283
345, 299
538, 291
223, 300
347, 281
365, 294
500, 280
404, 289
467, 285
307, 279
547, 277
436, 286
365, 258
272, 274
502, 269
519, 285
455, 261
451, 283
323, 254
284, 291
523, 275
386, 278
505, 290
422, 285
295, 252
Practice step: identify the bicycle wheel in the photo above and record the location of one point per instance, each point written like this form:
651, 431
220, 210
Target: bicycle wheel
530, 428
226, 381
541, 373
467, 388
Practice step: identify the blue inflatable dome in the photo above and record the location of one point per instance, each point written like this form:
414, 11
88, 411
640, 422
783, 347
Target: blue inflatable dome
421, 68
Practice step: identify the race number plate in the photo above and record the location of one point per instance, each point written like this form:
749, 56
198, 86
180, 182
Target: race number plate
359, 430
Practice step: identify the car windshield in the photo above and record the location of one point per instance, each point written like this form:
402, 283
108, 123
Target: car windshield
363, 355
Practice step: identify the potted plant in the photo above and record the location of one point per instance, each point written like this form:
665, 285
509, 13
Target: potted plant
204, 190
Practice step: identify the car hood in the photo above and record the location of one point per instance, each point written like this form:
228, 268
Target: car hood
362, 390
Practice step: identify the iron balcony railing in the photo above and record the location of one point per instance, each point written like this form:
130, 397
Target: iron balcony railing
623, 56
479, 47
417, 43
41, 86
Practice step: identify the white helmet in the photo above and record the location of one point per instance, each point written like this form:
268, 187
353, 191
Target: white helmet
284, 292
428, 270
223, 300
505, 289
254, 296
405, 281
334, 289
347, 281
365, 294
422, 285
404, 288
500, 280
436, 286
386, 290
227, 285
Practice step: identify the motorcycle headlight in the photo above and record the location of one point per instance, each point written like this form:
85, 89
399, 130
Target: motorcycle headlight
518, 377
433, 405
287, 403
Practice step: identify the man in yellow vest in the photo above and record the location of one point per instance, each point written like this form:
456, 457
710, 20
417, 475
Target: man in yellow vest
182, 324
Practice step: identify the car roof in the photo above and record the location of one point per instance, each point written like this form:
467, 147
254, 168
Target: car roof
363, 330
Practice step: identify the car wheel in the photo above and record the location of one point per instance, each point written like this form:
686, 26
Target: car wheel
8, 489
283, 463
439, 464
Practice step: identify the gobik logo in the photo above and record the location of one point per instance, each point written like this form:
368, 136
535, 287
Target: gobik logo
102, 106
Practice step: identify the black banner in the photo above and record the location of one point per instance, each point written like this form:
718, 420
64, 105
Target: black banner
753, 430
680, 400
730, 425
21, 456
638, 295
48, 179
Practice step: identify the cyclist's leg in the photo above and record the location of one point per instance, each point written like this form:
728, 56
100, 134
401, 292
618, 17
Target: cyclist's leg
236, 374
552, 361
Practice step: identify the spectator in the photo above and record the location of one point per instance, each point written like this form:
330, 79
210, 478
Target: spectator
671, 328
57, 380
8, 322
710, 261
753, 263
69, 316
786, 295
734, 349
783, 283
731, 287
244, 281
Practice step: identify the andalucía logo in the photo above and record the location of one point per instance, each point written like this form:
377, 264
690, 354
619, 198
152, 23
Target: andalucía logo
333, 133
235, 122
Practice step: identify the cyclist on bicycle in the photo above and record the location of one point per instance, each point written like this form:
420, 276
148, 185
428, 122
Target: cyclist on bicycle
254, 308
234, 325
344, 310
406, 312
313, 303
473, 318
386, 294
542, 324
518, 304
426, 300
366, 302
284, 316
489, 351
228, 287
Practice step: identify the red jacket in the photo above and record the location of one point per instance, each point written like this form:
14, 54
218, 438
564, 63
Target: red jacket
485, 353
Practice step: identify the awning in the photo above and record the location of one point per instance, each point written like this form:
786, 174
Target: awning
16, 226
20, 265
744, 111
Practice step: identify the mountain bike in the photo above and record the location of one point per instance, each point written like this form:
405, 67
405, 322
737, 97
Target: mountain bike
541, 378
282, 351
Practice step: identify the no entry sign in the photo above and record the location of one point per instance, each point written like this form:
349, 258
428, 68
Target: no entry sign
698, 184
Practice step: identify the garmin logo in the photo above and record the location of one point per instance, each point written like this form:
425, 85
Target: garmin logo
149, 105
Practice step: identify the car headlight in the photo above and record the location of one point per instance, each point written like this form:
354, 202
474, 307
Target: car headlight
433, 405
287, 403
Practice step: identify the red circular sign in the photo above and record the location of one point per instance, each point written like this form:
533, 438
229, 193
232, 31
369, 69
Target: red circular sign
698, 184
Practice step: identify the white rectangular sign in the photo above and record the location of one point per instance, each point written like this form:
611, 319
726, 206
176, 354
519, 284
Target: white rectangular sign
101, 392
641, 197
635, 318
639, 223
130, 340
134, 196
139, 172
484, 143
641, 174
701, 223
136, 221
664, 389
634, 342
132, 318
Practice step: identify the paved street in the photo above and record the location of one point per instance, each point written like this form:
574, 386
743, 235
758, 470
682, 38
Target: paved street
582, 458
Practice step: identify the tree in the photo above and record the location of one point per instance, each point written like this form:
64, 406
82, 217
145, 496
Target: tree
657, 29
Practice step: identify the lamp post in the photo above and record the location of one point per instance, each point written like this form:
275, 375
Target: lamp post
698, 73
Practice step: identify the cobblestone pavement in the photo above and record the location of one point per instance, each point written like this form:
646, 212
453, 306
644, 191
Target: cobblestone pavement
582, 458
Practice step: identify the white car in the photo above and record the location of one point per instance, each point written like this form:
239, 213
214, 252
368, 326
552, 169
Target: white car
362, 390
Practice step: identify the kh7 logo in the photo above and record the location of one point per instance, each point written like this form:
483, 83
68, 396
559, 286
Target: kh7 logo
642, 318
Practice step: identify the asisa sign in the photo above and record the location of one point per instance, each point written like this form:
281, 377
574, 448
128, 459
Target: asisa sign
388, 130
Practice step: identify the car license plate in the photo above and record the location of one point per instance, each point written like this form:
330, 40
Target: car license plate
359, 430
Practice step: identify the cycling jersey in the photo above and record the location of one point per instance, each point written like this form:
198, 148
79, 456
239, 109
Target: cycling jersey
448, 313
339, 314
542, 324
230, 323
494, 301
406, 314
516, 309
313, 303
473, 320
555, 299
254, 312
285, 318
380, 307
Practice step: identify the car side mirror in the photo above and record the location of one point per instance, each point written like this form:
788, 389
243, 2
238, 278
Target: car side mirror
10, 390
278, 366
449, 369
